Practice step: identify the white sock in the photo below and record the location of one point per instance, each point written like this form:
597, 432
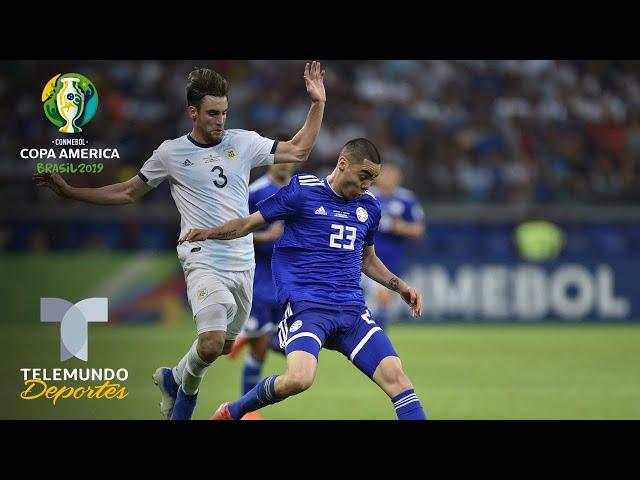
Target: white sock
178, 370
194, 371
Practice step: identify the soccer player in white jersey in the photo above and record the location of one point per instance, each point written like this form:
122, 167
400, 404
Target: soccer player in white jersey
208, 172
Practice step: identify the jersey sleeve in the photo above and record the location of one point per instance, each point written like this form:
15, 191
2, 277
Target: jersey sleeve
282, 204
153, 172
369, 238
254, 198
260, 150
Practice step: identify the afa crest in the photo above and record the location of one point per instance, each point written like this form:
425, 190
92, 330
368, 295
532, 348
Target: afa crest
230, 153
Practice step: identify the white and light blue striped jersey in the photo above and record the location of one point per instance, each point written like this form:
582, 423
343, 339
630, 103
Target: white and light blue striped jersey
319, 256
210, 186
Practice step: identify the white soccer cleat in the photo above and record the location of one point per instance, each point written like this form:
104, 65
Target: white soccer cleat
163, 378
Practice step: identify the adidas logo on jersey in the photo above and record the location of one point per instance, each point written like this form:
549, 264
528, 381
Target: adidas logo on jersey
187, 163
320, 211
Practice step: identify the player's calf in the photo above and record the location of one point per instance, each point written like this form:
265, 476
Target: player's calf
395, 383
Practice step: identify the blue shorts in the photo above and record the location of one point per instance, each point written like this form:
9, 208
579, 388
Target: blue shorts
350, 330
263, 319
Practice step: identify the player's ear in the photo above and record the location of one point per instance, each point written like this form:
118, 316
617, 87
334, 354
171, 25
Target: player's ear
193, 112
343, 163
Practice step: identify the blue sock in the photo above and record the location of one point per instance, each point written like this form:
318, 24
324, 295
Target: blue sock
250, 373
261, 395
408, 406
183, 408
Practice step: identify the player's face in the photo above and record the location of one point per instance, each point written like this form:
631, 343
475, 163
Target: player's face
358, 178
390, 178
209, 119
282, 172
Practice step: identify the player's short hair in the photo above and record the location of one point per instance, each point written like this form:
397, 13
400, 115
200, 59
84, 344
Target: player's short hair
359, 149
202, 82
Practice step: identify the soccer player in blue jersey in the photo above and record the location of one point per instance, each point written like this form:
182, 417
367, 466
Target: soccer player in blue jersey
265, 313
402, 219
328, 240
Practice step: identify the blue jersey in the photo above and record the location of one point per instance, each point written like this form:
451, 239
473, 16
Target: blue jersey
401, 204
319, 256
263, 289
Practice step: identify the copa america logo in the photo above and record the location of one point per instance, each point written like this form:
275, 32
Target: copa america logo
73, 319
70, 101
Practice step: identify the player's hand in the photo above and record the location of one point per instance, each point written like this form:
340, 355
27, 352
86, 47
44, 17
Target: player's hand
52, 180
413, 298
195, 235
314, 81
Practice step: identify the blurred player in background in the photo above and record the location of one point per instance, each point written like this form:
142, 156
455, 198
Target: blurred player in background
402, 219
328, 241
265, 313
208, 171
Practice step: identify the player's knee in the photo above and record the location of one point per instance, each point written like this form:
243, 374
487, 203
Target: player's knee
392, 374
298, 382
210, 346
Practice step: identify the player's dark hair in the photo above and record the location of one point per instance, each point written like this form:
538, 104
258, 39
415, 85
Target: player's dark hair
202, 82
359, 149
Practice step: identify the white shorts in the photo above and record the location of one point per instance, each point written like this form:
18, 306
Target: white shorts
207, 286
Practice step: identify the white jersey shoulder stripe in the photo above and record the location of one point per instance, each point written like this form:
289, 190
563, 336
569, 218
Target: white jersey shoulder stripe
369, 193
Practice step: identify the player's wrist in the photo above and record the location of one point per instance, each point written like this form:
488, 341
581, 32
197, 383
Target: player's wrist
67, 190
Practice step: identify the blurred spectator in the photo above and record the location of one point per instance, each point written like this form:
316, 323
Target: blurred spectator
465, 132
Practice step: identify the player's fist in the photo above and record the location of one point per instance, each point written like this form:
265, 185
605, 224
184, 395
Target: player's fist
53, 181
413, 298
195, 235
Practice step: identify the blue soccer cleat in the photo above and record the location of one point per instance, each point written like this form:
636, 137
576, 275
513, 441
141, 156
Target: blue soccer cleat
183, 408
163, 378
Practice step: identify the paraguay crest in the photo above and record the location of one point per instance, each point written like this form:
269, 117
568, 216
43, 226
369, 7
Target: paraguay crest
70, 101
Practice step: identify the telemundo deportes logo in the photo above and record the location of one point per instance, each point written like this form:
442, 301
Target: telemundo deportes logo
70, 101
74, 319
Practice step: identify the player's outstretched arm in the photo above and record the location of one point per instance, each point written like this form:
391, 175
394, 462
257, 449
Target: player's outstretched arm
116, 194
236, 228
299, 147
373, 268
413, 230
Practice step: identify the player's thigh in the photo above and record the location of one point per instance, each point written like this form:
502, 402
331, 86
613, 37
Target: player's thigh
364, 343
302, 365
304, 330
241, 286
211, 301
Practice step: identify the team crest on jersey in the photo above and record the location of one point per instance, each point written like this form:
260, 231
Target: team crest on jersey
230, 153
202, 293
362, 214
295, 326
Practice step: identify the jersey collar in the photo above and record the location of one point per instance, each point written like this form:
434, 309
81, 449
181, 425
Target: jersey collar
202, 145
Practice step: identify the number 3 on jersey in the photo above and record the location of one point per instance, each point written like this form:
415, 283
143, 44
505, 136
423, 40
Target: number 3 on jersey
350, 236
220, 181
